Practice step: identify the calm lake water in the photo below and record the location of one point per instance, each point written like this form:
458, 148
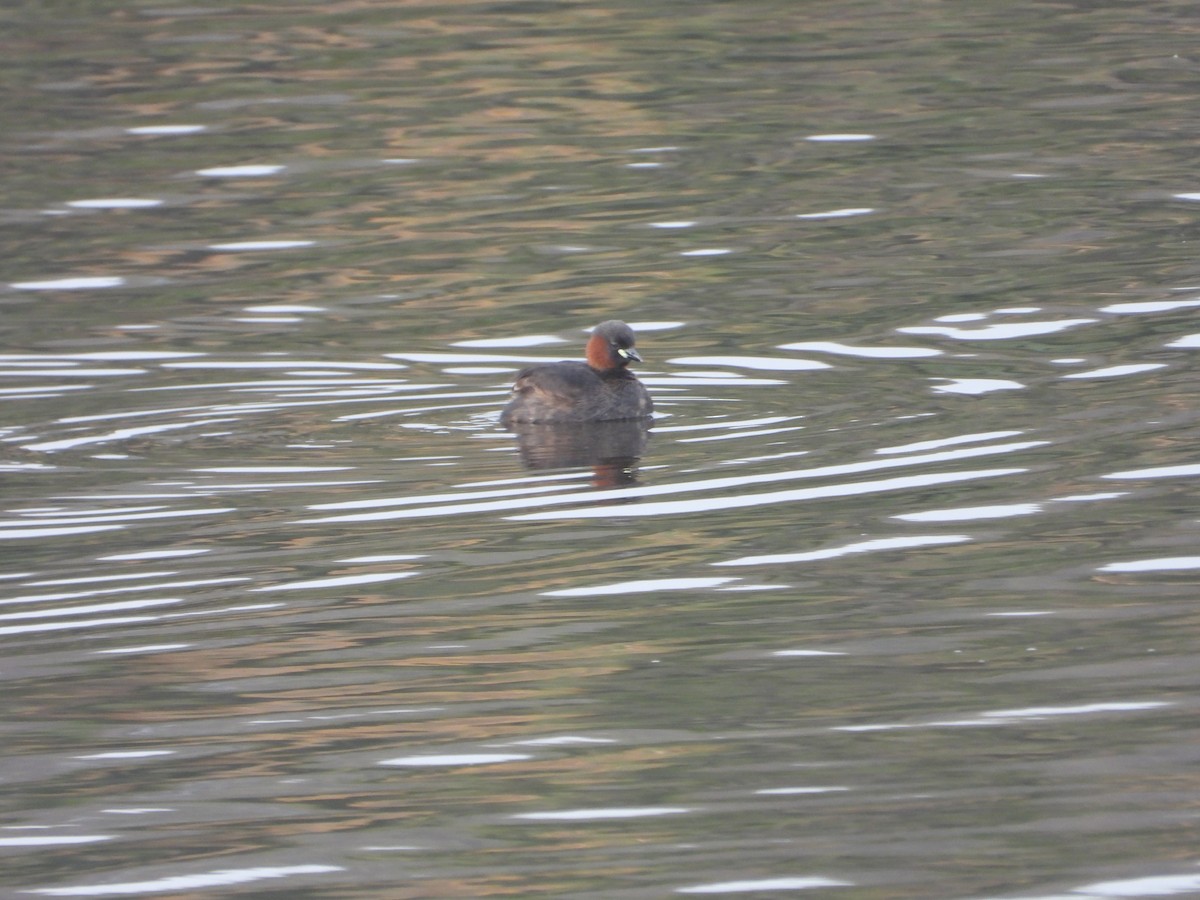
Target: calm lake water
898, 599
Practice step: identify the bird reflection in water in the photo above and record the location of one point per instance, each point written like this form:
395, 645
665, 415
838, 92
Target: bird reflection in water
610, 449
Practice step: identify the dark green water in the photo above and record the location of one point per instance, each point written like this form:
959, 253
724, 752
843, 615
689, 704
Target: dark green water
899, 601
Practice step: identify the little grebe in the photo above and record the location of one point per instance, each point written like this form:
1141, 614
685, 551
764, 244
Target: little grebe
599, 390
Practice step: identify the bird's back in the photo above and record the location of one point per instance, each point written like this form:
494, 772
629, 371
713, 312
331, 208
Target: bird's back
575, 392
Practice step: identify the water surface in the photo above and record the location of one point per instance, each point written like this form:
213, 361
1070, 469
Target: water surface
895, 600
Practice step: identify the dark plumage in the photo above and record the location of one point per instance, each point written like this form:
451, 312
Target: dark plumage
599, 390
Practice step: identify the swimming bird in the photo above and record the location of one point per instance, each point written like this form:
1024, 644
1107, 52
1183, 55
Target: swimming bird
602, 389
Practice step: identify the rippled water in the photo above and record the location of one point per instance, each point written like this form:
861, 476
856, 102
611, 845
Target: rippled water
896, 599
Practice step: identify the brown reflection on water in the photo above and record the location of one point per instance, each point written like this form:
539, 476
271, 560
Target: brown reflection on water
610, 449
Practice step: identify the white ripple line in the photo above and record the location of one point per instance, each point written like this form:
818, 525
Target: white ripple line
709, 504
432, 498
98, 516
872, 546
40, 531
120, 434
81, 623
691, 486
187, 882
125, 589
122, 606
